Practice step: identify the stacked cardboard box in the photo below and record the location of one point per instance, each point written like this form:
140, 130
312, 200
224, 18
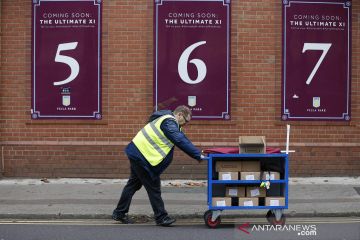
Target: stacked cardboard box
252, 144
267, 175
222, 166
248, 202
250, 170
237, 191
274, 201
255, 191
228, 170
227, 176
221, 201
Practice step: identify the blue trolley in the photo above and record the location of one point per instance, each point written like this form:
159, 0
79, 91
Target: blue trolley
278, 188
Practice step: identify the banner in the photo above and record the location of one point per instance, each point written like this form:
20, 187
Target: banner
66, 59
316, 60
192, 56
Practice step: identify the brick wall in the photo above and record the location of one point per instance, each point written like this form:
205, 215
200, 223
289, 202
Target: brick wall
95, 148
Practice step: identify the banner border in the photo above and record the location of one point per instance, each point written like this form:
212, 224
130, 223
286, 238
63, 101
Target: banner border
35, 114
345, 116
224, 115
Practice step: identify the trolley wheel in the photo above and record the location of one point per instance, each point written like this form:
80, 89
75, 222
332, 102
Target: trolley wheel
209, 222
270, 216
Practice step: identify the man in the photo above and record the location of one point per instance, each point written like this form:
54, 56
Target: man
150, 153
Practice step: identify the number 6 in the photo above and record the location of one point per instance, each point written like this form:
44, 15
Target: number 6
200, 65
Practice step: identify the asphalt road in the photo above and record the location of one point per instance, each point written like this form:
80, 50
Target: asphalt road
311, 228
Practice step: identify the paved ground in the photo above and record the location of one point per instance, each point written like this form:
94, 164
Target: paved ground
96, 198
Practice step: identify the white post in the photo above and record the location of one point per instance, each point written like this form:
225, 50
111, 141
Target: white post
287, 138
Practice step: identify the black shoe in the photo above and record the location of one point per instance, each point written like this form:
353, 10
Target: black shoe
166, 221
123, 219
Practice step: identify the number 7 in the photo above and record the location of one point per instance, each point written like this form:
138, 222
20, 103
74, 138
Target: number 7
316, 46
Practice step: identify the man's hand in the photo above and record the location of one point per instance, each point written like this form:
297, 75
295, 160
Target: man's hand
202, 157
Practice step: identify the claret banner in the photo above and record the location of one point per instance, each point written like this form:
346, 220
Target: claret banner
192, 56
316, 79
66, 59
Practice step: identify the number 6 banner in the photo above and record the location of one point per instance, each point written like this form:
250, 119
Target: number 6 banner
316, 60
191, 58
66, 59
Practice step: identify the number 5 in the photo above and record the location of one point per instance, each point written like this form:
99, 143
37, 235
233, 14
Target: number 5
73, 64
316, 46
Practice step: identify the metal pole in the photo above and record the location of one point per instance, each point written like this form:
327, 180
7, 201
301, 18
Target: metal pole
287, 138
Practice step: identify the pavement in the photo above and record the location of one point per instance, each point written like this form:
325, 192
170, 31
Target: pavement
184, 199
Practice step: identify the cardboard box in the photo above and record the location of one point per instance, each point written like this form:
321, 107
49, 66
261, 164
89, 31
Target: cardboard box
250, 175
235, 191
228, 166
255, 191
250, 166
270, 175
226, 176
248, 202
221, 201
274, 201
252, 144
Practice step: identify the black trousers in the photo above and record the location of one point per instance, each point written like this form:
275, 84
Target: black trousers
140, 177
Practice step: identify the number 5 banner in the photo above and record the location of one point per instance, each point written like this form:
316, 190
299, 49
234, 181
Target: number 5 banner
66, 59
316, 60
192, 56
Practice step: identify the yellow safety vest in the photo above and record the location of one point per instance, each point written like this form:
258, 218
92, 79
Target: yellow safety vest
152, 142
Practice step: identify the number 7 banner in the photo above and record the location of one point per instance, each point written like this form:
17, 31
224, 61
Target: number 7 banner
192, 56
316, 76
66, 59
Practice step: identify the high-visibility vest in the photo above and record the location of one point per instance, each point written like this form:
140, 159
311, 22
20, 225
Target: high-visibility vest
152, 142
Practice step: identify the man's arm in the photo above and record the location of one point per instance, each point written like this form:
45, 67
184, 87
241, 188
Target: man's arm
178, 138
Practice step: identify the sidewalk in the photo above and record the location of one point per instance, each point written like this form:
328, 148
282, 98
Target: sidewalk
96, 198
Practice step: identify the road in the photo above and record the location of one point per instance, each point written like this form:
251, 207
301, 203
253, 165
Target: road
295, 228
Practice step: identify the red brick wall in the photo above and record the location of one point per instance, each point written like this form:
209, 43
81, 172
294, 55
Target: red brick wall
95, 148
